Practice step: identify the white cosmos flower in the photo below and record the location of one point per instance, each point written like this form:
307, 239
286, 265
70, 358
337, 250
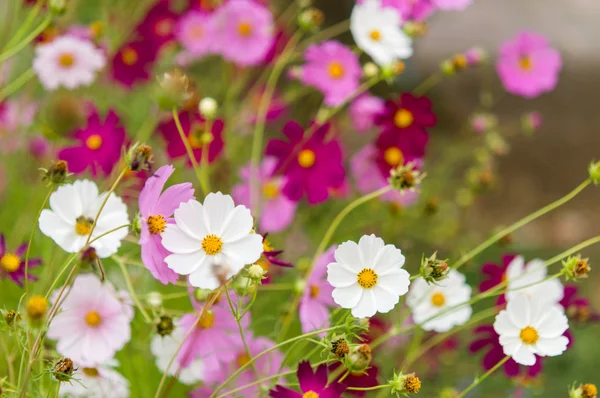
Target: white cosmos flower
531, 326
527, 279
426, 301
377, 31
73, 208
211, 241
99, 382
368, 276
67, 61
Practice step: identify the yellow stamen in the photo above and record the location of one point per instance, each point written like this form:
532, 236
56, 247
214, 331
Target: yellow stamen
10, 262
83, 226
66, 60
212, 244
164, 27
367, 278
156, 224
438, 299
525, 63
306, 158
375, 35
242, 359
393, 156
403, 118
245, 29
310, 394
270, 190
529, 335
94, 142
336, 70
207, 320
90, 372
129, 56
314, 291
93, 319
37, 306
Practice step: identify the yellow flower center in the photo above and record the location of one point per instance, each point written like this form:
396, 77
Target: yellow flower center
90, 372
267, 246
367, 278
129, 56
270, 190
375, 35
336, 70
195, 141
83, 225
314, 291
212, 244
96, 29
66, 60
403, 118
529, 335
525, 63
310, 394
242, 359
36, 307
306, 158
93, 319
207, 320
94, 142
393, 156
156, 224
245, 29
438, 299
196, 32
10, 262
164, 27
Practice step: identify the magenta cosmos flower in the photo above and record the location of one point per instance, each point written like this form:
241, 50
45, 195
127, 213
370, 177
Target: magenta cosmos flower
316, 299
578, 308
398, 148
363, 111
193, 126
496, 274
275, 209
156, 211
406, 112
245, 32
313, 165
333, 69
310, 382
158, 26
410, 10
528, 66
99, 145
196, 33
365, 379
12, 263
133, 61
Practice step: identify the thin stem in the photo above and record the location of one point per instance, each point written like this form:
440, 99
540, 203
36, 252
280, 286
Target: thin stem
189, 151
19, 46
524, 221
328, 33
134, 296
31, 239
237, 317
204, 159
428, 83
478, 380
16, 84
379, 387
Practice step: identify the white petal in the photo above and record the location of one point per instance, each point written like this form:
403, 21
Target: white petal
552, 324
185, 264
389, 258
368, 247
217, 208
204, 278
175, 240
191, 219
340, 275
246, 250
347, 297
515, 268
510, 344
238, 224
504, 326
523, 355
385, 299
552, 347
366, 306
65, 202
396, 281
519, 310
348, 253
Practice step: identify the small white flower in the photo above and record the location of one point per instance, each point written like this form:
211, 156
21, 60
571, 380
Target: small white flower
376, 30
98, 382
73, 208
531, 326
211, 241
426, 301
368, 276
527, 279
164, 348
67, 61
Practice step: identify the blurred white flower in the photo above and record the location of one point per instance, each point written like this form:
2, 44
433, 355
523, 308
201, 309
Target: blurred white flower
527, 279
98, 382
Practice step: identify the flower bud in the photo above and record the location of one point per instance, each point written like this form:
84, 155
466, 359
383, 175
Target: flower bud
208, 107
165, 326
174, 90
58, 7
459, 62
37, 307
11, 317
57, 173
531, 122
584, 391
139, 157
359, 358
475, 56
404, 384
370, 69
154, 299
414, 29
340, 348
405, 177
432, 206
576, 267
448, 392
89, 258
136, 225
447, 67
311, 19
434, 270
256, 272
594, 171
63, 369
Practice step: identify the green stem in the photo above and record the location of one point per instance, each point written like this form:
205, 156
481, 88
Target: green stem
237, 317
19, 46
328, 33
31, 239
482, 378
524, 221
16, 84
379, 387
428, 83
204, 159
190, 152
134, 296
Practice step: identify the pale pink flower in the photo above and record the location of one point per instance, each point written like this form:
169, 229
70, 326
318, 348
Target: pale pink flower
196, 33
316, 299
363, 110
452, 4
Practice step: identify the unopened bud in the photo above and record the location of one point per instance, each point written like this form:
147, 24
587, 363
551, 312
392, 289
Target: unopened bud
340, 348
208, 107
531, 122
584, 391
414, 29
139, 157
447, 67
475, 56
58, 7
175, 90
11, 317
359, 358
459, 61
63, 369
594, 171
256, 272
165, 325
576, 267
433, 269
37, 307
57, 173
311, 19
404, 384
370, 69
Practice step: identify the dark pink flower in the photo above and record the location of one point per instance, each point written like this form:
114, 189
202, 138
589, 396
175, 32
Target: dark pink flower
315, 382
313, 165
406, 112
12, 263
133, 61
193, 127
396, 148
158, 26
496, 274
99, 145
365, 379
578, 308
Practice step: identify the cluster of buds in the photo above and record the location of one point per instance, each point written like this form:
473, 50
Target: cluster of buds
404, 384
470, 58
531, 122
405, 177
63, 369
434, 270
311, 19
11, 317
576, 267
57, 173
340, 348
165, 326
594, 171
175, 90
480, 178
583, 391
139, 157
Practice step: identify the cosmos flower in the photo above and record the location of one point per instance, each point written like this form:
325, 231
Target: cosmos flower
96, 382
67, 61
91, 324
194, 128
276, 210
406, 112
363, 110
409, 10
376, 30
316, 299
270, 257
456, 5
312, 384
527, 279
333, 69
99, 145
529, 327
576, 307
156, 211
132, 62
12, 263
313, 165
364, 379
528, 66
245, 32
427, 301
196, 33
158, 26
396, 149
73, 208
368, 276
495, 274
211, 242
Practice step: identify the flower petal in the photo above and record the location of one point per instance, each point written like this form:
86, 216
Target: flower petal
340, 275
190, 217
216, 210
366, 306
176, 240
347, 297
349, 254
185, 264
368, 247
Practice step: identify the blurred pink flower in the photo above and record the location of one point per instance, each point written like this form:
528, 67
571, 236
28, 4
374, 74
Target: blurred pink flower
363, 110
12, 263
312, 384
316, 299
528, 66
452, 4
39, 147
133, 61
276, 210
156, 211
158, 25
333, 69
15, 116
99, 145
196, 33
410, 10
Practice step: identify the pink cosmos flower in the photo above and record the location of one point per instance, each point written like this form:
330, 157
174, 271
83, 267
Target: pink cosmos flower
99, 145
12, 263
15, 116
312, 165
276, 210
363, 110
92, 323
133, 61
410, 10
193, 126
369, 178
528, 66
156, 210
245, 31
310, 382
316, 299
196, 33
39, 147
452, 4
333, 69
158, 25
277, 107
